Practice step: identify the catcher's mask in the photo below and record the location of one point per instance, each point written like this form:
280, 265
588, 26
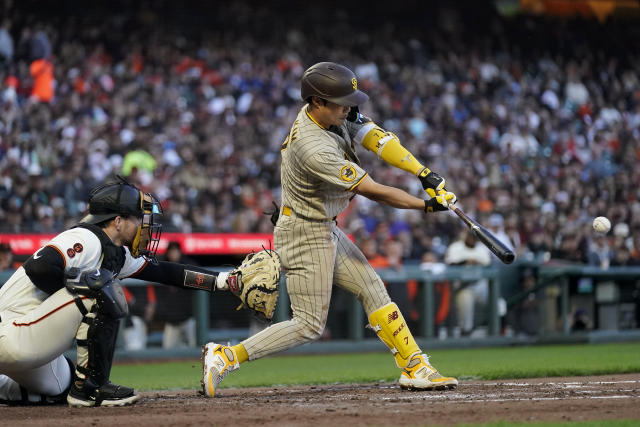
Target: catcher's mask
123, 199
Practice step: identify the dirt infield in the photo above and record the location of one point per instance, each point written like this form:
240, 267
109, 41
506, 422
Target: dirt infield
549, 399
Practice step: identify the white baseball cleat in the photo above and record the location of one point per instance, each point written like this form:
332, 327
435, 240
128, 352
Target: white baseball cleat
217, 361
420, 375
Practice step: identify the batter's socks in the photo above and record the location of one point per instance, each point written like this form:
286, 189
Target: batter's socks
241, 353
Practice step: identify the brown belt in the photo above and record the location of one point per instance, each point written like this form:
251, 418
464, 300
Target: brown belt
287, 211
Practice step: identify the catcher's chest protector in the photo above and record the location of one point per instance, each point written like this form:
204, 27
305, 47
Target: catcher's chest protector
113, 256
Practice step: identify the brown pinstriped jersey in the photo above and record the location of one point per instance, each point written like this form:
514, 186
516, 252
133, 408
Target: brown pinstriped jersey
319, 168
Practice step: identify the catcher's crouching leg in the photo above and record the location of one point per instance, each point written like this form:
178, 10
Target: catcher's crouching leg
96, 339
417, 372
14, 394
91, 385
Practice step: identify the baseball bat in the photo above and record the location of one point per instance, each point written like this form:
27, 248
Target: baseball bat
503, 253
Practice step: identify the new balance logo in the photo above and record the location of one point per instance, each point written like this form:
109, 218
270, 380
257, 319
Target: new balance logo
219, 364
392, 316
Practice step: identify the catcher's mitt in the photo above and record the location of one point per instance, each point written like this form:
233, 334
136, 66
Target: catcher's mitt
256, 281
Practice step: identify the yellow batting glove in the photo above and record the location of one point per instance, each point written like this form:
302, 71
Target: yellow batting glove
441, 202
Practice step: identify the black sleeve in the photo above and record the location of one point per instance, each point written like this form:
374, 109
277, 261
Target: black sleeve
45, 269
180, 275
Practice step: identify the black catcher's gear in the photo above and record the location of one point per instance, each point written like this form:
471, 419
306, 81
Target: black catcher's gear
112, 199
85, 393
123, 199
97, 342
102, 285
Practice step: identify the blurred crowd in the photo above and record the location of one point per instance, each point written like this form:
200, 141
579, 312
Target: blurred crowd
535, 123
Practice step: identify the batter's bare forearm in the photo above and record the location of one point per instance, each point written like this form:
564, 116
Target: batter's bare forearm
399, 199
387, 195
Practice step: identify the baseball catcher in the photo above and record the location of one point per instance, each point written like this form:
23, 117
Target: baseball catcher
70, 290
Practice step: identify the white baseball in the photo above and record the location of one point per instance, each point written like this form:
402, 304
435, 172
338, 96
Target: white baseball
602, 224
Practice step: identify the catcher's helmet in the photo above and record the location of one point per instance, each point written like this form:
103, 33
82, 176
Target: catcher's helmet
113, 199
333, 82
123, 199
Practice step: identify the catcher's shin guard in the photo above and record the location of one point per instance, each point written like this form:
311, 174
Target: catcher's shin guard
392, 329
96, 339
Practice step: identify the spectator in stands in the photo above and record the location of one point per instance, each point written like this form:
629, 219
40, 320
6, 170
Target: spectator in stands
430, 262
468, 251
496, 226
525, 315
600, 252
6, 44
621, 257
402, 293
6, 258
370, 250
175, 309
142, 303
581, 320
635, 248
539, 244
41, 67
442, 291
575, 246
545, 144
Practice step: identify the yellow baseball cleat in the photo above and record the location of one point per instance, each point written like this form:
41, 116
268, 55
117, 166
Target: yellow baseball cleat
217, 361
420, 375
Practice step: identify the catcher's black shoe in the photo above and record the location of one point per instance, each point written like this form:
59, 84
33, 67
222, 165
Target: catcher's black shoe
83, 395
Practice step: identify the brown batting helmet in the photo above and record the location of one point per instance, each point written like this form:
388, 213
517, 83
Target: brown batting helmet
333, 82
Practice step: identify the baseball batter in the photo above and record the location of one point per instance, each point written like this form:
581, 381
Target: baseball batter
69, 290
320, 174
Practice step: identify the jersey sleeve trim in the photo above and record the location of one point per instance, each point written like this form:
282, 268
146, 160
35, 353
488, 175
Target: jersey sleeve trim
358, 183
64, 259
